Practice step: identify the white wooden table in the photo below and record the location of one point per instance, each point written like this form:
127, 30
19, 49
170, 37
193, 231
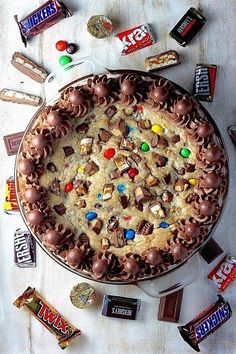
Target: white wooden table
20, 333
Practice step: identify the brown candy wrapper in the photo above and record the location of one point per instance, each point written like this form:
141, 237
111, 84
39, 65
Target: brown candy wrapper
63, 330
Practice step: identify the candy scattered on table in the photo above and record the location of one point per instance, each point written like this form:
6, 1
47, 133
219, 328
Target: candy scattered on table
61, 46
28, 67
120, 307
184, 152
72, 48
204, 82
207, 322
63, 330
19, 97
42, 18
99, 26
188, 26
10, 200
82, 295
211, 251
135, 38
162, 61
170, 306
12, 142
64, 59
90, 215
224, 273
24, 249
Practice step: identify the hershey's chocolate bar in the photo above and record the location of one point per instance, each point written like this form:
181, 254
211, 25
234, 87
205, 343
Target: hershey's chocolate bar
204, 82
12, 142
120, 307
170, 306
211, 251
24, 249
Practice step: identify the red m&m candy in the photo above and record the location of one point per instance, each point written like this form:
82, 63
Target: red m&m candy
61, 45
68, 187
109, 153
132, 172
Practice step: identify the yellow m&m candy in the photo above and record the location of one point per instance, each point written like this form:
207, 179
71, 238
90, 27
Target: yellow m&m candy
192, 181
80, 169
157, 129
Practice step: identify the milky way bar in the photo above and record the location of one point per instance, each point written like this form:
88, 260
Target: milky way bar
207, 322
120, 307
24, 249
28, 67
204, 82
19, 97
187, 27
162, 61
42, 18
63, 330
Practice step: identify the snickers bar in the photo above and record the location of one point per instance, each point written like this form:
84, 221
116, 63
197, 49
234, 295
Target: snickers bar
24, 249
120, 307
42, 18
187, 27
206, 323
204, 82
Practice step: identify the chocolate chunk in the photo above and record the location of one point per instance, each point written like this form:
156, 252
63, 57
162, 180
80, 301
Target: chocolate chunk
155, 140
82, 128
118, 127
170, 306
181, 171
126, 144
159, 141
181, 185
105, 243
190, 198
124, 201
115, 174
60, 209
138, 206
81, 187
151, 181
55, 187
167, 196
121, 163
190, 167
96, 225
144, 227
160, 160
157, 210
51, 167
86, 146
175, 139
107, 191
68, 150
142, 195
119, 238
104, 135
81, 203
97, 205
110, 111
166, 179
113, 223
136, 158
91, 168
144, 124
211, 251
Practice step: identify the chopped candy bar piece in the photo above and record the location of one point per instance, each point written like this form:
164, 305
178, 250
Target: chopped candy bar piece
143, 195
107, 191
127, 144
96, 225
115, 174
166, 179
136, 158
144, 124
86, 146
190, 167
157, 210
81, 187
110, 111
113, 223
118, 127
104, 135
181, 185
91, 168
144, 227
175, 139
160, 160
82, 128
121, 163
167, 196
68, 150
119, 238
81, 203
105, 243
124, 201
151, 181
51, 167
60, 209
55, 187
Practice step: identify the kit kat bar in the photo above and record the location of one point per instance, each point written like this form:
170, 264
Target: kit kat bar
211, 251
170, 306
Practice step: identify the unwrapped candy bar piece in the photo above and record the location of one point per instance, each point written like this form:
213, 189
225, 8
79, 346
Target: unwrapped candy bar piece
19, 97
28, 67
162, 61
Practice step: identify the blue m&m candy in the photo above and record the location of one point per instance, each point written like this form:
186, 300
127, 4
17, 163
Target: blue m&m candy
164, 225
99, 196
90, 215
129, 234
121, 187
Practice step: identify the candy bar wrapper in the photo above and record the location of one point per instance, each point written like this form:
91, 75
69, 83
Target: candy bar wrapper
224, 273
135, 38
24, 249
63, 330
207, 322
42, 18
10, 201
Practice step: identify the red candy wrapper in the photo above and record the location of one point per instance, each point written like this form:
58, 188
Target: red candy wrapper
135, 38
10, 201
224, 273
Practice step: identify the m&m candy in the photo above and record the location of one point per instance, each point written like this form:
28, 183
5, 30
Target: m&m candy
64, 59
121, 187
132, 172
192, 181
109, 153
164, 225
72, 48
99, 196
68, 187
90, 215
184, 152
129, 234
157, 129
61, 45
144, 147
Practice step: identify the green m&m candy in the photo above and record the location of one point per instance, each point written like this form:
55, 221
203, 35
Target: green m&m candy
64, 59
144, 147
184, 152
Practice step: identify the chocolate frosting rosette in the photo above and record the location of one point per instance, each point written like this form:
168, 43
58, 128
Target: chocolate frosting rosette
132, 266
160, 95
183, 110
205, 210
190, 232
104, 264
56, 121
39, 218
30, 168
57, 237
39, 143
34, 194
132, 89
75, 101
211, 157
200, 131
155, 261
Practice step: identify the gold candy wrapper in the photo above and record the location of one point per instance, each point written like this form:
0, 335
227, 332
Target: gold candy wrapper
82, 295
63, 330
